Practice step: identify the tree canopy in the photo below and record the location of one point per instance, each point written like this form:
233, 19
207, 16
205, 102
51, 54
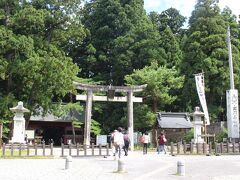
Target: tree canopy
35, 67
121, 38
47, 44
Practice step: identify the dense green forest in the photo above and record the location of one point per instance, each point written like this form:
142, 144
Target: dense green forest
47, 44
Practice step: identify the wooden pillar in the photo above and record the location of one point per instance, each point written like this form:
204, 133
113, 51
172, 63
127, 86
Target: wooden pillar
130, 118
88, 116
184, 147
178, 148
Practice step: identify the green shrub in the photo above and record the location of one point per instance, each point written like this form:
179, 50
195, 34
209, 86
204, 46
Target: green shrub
189, 136
221, 135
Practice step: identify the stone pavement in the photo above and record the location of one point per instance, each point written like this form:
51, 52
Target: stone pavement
139, 167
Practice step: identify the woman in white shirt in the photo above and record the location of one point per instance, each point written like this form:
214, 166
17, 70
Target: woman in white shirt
118, 142
146, 140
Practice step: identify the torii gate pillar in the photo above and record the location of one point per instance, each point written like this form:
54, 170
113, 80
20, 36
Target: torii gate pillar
130, 118
88, 118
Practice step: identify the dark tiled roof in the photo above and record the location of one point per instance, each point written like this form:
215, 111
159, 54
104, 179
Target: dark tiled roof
51, 118
174, 120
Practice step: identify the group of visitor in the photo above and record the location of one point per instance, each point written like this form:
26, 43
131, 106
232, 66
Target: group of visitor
120, 140
145, 140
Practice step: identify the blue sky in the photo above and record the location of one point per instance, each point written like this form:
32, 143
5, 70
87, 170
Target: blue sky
186, 6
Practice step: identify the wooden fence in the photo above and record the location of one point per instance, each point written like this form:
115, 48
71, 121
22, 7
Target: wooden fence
27, 150
103, 150
204, 148
77, 150
85, 150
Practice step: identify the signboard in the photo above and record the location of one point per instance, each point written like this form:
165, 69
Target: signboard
101, 139
232, 113
30, 134
136, 137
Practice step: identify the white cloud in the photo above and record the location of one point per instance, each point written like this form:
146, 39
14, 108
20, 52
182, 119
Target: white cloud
185, 7
153, 5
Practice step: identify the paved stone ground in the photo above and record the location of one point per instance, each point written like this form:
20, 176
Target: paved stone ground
139, 167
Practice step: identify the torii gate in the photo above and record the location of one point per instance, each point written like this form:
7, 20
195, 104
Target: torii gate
110, 89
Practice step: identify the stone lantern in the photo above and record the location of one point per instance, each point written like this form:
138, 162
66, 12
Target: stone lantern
197, 124
19, 123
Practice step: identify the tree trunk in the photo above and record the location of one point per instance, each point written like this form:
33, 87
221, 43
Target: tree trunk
74, 134
27, 119
154, 104
72, 118
155, 128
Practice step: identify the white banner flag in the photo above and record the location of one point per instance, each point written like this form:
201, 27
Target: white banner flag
201, 95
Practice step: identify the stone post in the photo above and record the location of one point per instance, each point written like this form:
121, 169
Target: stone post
19, 123
181, 168
68, 162
197, 124
121, 166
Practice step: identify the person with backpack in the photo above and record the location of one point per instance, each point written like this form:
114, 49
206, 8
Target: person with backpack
126, 143
141, 139
118, 142
161, 143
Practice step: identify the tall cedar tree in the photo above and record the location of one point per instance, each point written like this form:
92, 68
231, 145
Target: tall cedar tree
205, 49
169, 18
170, 26
121, 39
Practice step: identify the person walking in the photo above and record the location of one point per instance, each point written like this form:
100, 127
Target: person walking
118, 142
126, 143
162, 141
26, 138
112, 142
146, 141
